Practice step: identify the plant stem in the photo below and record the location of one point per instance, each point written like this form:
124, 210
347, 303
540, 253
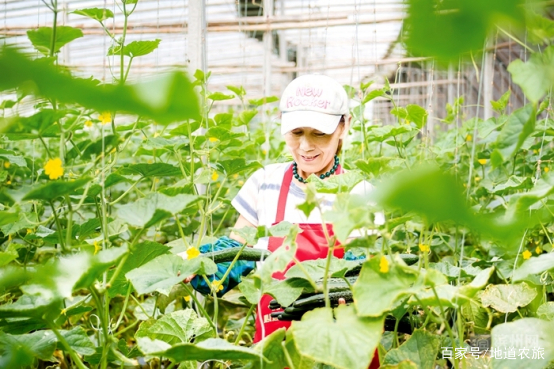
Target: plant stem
123, 309
125, 193
54, 26
76, 359
445, 321
69, 222
104, 323
200, 307
58, 225
244, 324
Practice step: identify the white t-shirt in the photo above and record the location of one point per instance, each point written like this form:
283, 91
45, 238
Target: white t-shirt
257, 199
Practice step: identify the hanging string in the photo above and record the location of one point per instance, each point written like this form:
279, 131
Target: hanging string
325, 37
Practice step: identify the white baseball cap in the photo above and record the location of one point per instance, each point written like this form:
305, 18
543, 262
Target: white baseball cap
314, 101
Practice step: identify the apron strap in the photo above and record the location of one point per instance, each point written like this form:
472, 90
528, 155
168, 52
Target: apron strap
284, 192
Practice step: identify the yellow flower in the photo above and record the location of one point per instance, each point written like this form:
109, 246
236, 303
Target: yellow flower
29, 231
53, 168
424, 248
113, 151
105, 118
156, 134
477, 179
213, 139
215, 176
235, 176
538, 250
526, 254
88, 123
187, 298
192, 252
469, 138
264, 152
241, 182
217, 285
546, 169
535, 152
97, 247
9, 182
383, 265
482, 161
7, 164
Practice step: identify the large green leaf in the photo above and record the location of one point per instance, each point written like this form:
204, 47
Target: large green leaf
519, 126
13, 158
421, 348
527, 336
30, 306
25, 220
78, 340
20, 351
205, 350
376, 291
546, 311
235, 166
41, 38
506, 298
151, 170
412, 113
350, 212
153, 208
166, 99
180, 326
536, 76
285, 291
54, 189
535, 265
163, 272
135, 48
271, 347
433, 28
346, 341
138, 256
98, 14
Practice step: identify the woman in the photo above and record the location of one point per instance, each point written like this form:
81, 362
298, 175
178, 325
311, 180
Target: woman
315, 120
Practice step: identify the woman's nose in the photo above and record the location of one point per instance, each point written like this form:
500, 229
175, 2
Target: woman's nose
306, 144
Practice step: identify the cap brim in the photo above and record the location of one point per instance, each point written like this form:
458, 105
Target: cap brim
325, 123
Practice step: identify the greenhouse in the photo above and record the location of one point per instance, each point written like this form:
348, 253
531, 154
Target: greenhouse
276, 184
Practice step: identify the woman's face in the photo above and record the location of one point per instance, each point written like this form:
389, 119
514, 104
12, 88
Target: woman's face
312, 150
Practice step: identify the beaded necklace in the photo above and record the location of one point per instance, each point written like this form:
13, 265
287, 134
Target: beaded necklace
324, 175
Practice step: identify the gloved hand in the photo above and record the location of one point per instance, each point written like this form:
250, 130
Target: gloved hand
240, 268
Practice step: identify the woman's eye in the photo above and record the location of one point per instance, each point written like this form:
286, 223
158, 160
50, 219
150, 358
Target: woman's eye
296, 133
320, 134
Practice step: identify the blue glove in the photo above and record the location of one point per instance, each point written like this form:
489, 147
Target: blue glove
241, 268
350, 256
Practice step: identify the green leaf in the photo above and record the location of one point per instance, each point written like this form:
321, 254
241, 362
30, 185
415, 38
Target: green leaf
168, 98
219, 96
288, 290
135, 48
54, 189
19, 351
350, 212
500, 105
138, 256
524, 334
13, 158
180, 326
205, 350
417, 115
519, 126
337, 341
433, 29
235, 166
153, 208
372, 95
536, 76
375, 292
163, 272
151, 170
421, 348
29, 306
270, 347
246, 116
405, 364
24, 221
506, 298
535, 265
546, 311
263, 100
7, 217
78, 340
97, 14
335, 184
41, 38
239, 91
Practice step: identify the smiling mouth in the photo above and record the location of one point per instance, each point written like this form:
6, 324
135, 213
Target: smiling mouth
309, 158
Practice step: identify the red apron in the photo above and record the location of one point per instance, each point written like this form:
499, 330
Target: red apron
311, 245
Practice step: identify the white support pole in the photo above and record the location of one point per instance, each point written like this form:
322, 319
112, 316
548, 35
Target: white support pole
488, 80
268, 47
197, 35
450, 94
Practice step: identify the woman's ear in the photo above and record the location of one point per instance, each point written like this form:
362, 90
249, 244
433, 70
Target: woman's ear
346, 127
